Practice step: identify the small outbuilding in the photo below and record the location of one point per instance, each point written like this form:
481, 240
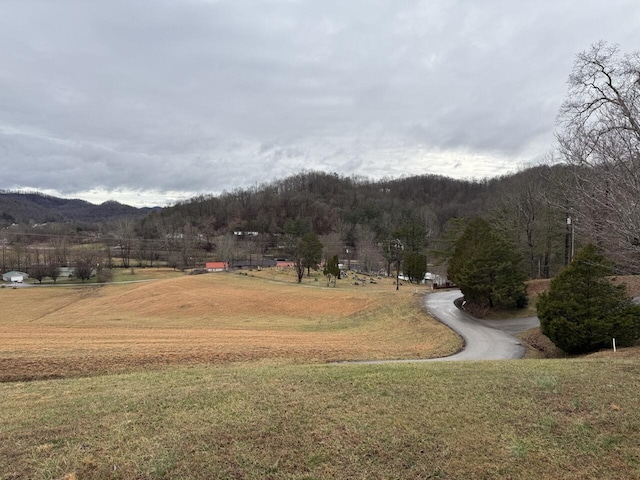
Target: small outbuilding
14, 276
217, 266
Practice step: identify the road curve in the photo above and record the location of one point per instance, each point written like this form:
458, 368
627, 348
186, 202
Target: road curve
484, 339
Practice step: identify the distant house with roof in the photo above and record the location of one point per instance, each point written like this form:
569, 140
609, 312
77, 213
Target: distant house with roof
14, 276
217, 266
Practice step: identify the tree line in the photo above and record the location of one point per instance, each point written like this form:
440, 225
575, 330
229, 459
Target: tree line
490, 235
362, 221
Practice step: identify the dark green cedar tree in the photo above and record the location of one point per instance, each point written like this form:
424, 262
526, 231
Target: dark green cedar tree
487, 268
583, 311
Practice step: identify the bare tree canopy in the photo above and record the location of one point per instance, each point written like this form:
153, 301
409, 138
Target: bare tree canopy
600, 135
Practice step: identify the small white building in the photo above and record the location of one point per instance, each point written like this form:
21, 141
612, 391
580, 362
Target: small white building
14, 276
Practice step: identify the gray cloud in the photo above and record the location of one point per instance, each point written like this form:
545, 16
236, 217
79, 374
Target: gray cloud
191, 96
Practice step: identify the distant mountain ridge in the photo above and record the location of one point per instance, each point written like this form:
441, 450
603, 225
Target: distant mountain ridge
17, 207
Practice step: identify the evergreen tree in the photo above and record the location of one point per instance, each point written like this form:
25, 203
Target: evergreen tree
413, 235
332, 270
583, 310
487, 268
308, 254
415, 266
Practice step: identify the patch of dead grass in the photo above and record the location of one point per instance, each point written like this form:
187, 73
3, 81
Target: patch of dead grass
539, 345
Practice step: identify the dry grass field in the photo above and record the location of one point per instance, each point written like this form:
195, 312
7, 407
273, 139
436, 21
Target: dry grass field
215, 318
232, 399
526, 419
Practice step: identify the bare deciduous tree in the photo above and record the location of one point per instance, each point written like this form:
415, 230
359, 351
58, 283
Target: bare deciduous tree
87, 261
124, 234
369, 254
524, 209
226, 246
333, 245
600, 136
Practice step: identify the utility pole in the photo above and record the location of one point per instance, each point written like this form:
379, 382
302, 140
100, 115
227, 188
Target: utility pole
567, 242
570, 245
397, 245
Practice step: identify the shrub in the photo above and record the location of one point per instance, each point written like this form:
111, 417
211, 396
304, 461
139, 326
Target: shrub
583, 310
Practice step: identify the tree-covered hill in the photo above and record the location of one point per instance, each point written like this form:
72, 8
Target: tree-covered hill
329, 202
23, 208
354, 217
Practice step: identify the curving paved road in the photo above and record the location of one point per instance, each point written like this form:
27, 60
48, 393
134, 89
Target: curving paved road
484, 339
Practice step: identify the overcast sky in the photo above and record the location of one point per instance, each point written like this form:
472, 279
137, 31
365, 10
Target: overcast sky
149, 101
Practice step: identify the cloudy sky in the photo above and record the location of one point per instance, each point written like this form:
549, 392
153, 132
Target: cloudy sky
150, 101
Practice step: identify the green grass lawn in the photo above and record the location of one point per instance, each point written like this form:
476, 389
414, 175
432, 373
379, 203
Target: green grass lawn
513, 419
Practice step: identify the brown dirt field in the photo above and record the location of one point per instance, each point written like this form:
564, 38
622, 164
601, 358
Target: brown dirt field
217, 318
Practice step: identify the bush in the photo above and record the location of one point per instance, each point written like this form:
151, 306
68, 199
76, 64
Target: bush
583, 310
415, 266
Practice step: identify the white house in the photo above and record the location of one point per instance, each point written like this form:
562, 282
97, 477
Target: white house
14, 276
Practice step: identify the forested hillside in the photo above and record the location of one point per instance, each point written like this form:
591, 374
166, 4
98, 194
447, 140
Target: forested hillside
376, 225
18, 207
329, 202
360, 219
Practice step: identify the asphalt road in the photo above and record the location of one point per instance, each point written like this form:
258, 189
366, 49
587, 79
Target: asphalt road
484, 339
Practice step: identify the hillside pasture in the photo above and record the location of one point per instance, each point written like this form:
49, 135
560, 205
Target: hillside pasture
551, 419
209, 319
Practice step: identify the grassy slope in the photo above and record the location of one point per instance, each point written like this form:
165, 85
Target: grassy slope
218, 318
523, 419
268, 419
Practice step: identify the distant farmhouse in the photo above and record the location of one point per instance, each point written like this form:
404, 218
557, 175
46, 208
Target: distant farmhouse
217, 266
